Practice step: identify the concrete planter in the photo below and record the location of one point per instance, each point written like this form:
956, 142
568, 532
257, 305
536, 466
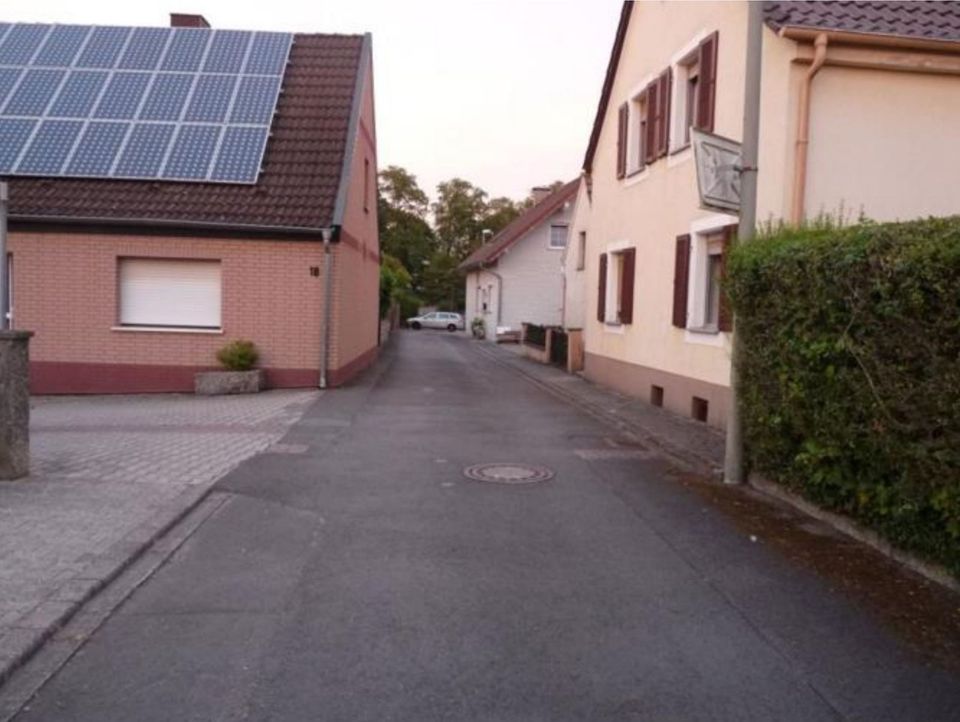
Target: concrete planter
218, 383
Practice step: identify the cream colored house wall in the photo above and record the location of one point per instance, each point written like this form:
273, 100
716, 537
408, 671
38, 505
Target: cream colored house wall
574, 285
886, 143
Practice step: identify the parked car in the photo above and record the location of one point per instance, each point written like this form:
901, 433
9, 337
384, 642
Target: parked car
437, 319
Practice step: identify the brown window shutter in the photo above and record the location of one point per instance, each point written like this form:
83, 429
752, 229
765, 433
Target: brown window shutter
725, 313
707, 83
602, 290
650, 142
663, 134
622, 141
626, 285
681, 273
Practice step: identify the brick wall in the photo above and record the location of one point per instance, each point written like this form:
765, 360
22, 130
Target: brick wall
65, 290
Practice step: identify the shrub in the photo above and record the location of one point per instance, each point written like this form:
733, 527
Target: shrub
851, 372
238, 355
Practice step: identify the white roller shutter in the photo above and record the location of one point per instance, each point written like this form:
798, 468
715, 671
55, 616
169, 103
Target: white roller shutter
155, 292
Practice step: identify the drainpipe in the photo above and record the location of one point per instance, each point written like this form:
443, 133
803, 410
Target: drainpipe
4, 291
803, 130
327, 234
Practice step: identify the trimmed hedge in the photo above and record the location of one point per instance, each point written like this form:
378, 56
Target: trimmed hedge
851, 372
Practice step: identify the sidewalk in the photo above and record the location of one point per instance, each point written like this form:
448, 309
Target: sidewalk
109, 476
691, 444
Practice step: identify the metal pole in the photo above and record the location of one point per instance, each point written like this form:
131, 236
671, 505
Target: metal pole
4, 272
733, 460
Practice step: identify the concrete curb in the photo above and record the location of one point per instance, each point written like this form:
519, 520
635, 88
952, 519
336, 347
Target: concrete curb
33, 629
691, 461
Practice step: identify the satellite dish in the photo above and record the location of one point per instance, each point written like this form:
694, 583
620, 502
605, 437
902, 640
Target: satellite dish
718, 161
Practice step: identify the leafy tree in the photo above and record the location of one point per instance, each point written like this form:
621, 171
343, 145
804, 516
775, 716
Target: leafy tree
499, 213
404, 232
394, 282
399, 189
458, 213
443, 284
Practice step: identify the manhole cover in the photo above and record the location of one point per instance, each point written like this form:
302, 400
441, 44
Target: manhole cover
508, 473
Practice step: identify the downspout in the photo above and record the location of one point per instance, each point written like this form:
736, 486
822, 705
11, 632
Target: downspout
325, 318
803, 130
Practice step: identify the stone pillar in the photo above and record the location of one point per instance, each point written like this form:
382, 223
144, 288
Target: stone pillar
14, 404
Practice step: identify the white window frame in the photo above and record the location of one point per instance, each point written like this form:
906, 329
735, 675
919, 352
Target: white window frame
636, 169
132, 319
701, 230
681, 150
566, 228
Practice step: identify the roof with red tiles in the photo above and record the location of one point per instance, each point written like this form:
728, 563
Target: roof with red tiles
302, 166
520, 226
929, 20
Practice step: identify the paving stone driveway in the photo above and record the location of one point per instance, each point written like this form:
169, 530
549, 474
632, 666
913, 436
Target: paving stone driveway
104, 467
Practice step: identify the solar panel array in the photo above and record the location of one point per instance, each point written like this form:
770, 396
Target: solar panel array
185, 104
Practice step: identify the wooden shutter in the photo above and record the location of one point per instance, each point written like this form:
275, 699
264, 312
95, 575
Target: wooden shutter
707, 83
626, 285
681, 274
663, 129
602, 290
650, 142
622, 141
725, 313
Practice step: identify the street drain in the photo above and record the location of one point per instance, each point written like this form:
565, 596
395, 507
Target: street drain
508, 473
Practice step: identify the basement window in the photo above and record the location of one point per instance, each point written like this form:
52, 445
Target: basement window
158, 294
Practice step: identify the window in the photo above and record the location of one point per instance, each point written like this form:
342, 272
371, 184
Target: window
638, 160
649, 131
558, 236
698, 281
366, 185
581, 250
166, 293
615, 292
696, 91
623, 115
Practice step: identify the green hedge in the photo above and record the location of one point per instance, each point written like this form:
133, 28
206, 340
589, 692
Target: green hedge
851, 372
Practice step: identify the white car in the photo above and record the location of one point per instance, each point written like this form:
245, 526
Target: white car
437, 319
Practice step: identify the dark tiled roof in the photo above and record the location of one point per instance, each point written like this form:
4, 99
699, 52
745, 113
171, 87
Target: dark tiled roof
519, 227
929, 20
301, 168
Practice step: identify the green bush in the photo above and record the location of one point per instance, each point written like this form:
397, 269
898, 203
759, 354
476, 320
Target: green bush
851, 372
238, 355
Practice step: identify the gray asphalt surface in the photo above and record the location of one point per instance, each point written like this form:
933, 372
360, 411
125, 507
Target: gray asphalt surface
367, 579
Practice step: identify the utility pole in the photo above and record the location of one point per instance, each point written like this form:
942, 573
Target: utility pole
4, 271
733, 459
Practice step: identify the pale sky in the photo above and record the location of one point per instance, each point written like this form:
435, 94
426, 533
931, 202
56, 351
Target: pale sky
501, 93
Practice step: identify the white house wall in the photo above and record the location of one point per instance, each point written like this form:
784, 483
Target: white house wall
574, 313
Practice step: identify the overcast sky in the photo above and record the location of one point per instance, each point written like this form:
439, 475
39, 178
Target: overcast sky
500, 92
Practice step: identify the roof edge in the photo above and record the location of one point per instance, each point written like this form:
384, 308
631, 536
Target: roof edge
608, 84
808, 33
172, 224
340, 205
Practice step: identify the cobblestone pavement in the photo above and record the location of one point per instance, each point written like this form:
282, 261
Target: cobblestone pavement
107, 472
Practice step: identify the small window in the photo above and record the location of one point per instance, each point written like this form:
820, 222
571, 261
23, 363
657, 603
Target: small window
714, 269
169, 293
700, 409
688, 72
366, 185
581, 250
639, 134
558, 236
619, 288
656, 395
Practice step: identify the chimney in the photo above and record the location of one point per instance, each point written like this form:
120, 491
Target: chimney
186, 20
538, 193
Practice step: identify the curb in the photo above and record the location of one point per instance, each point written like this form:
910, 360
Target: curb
38, 625
679, 455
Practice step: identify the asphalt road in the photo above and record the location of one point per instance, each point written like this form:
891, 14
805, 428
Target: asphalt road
366, 579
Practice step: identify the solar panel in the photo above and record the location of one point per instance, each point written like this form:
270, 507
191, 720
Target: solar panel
62, 45
78, 94
145, 48
211, 98
192, 152
35, 92
240, 154
123, 96
116, 102
50, 147
144, 152
14, 133
97, 149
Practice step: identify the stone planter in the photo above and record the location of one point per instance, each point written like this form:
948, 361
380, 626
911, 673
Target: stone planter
218, 383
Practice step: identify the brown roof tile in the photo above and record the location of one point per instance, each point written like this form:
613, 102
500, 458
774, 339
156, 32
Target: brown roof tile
301, 166
929, 20
489, 252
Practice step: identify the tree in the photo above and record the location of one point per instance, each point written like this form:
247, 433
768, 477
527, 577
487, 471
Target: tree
499, 213
394, 283
443, 284
458, 213
400, 191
